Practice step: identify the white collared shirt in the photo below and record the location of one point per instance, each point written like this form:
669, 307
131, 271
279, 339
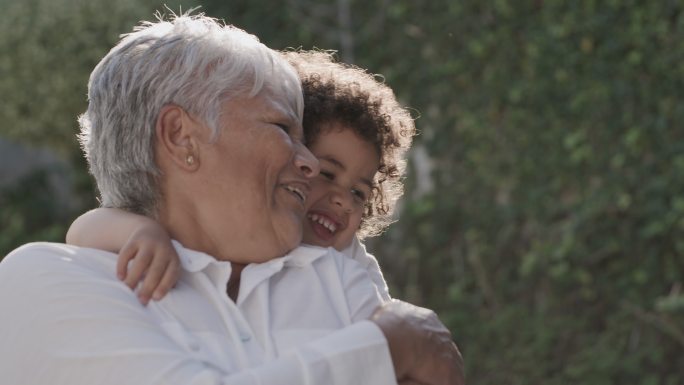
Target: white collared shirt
299, 319
357, 251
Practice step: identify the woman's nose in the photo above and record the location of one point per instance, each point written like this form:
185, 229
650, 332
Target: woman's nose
306, 162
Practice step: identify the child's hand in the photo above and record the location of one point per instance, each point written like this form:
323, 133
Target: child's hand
155, 262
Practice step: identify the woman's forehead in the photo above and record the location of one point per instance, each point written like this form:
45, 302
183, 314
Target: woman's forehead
288, 92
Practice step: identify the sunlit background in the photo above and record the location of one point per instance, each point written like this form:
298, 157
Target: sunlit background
544, 211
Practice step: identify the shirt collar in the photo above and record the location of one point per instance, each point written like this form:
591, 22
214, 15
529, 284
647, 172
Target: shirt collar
304, 255
255, 273
194, 261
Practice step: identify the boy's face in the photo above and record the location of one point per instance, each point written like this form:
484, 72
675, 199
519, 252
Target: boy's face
339, 193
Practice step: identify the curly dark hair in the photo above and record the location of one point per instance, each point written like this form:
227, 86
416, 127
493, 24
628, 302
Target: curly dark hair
340, 93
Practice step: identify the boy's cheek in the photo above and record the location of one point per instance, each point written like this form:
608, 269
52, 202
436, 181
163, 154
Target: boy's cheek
345, 238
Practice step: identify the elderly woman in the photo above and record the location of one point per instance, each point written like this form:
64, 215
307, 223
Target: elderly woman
198, 126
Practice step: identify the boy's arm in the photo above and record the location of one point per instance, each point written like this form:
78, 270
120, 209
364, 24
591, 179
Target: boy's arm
133, 237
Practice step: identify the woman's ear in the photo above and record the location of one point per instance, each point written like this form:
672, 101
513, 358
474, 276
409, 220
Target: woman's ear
177, 138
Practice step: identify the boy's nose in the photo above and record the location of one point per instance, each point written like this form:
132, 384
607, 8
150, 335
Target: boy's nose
343, 199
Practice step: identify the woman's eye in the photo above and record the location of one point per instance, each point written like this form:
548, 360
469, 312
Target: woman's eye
327, 175
283, 127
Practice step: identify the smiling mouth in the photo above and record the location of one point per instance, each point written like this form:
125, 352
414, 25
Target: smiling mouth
323, 221
296, 191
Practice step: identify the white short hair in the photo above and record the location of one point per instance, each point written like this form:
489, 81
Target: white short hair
192, 61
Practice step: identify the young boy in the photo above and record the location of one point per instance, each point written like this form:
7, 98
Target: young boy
356, 128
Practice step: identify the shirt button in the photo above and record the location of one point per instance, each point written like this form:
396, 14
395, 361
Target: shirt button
194, 346
245, 337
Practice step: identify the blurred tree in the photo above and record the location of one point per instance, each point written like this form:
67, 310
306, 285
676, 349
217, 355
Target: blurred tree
47, 50
557, 123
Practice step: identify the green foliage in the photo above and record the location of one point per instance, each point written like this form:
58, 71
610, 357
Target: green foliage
29, 212
560, 212
551, 240
48, 48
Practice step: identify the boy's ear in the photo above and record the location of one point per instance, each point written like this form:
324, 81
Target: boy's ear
177, 137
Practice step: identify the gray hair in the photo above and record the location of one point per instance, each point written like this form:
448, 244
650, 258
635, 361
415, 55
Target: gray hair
194, 62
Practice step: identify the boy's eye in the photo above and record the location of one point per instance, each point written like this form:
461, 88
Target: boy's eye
359, 195
283, 127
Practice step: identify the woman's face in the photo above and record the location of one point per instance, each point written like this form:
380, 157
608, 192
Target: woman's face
338, 195
255, 178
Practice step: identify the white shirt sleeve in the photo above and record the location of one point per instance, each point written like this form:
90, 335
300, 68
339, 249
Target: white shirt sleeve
70, 322
357, 251
357, 354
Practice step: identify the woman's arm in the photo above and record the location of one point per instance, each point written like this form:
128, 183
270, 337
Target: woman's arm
135, 238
